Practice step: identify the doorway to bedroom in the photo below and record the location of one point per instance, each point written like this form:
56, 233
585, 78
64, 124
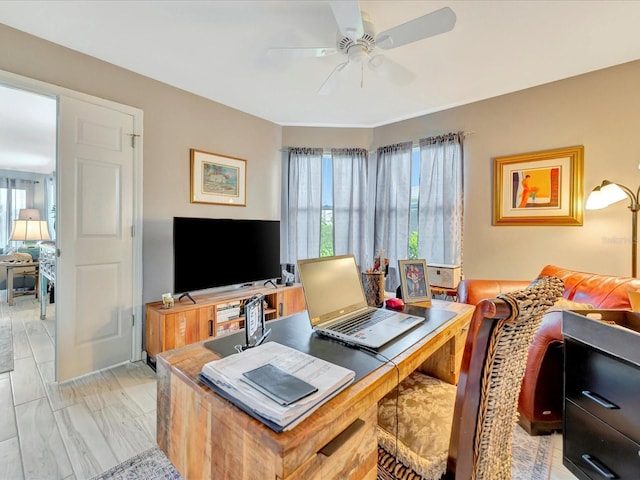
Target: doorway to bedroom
97, 227
28, 123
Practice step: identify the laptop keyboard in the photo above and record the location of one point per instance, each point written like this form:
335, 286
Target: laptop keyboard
361, 321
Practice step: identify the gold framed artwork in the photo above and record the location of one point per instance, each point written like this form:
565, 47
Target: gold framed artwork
218, 179
414, 283
539, 188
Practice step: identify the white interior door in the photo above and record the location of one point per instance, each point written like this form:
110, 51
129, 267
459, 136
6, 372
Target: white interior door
95, 268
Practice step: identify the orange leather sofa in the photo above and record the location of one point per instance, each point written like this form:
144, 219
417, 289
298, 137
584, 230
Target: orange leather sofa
540, 403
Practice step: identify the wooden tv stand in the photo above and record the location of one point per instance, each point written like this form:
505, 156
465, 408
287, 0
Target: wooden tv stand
212, 316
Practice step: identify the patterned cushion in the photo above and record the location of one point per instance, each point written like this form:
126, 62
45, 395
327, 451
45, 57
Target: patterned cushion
425, 409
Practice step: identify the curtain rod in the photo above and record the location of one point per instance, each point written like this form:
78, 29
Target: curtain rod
415, 143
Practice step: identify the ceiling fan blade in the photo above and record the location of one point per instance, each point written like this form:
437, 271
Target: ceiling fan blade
390, 70
348, 17
428, 25
331, 82
302, 52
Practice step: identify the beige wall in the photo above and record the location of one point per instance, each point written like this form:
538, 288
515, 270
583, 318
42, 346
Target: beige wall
328, 137
600, 110
174, 122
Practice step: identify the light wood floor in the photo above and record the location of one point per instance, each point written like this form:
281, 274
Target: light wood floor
82, 427
76, 429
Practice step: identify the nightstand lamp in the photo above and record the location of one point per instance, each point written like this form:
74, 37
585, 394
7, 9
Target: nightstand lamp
29, 229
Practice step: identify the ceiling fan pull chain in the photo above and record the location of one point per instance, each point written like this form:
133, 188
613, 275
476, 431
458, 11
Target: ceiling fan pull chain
361, 74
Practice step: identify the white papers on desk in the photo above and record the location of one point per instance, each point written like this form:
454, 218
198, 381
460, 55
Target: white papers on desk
327, 377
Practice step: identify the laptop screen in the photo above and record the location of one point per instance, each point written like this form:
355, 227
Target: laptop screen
332, 287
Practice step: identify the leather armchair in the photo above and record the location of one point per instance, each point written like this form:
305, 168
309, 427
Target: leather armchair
540, 401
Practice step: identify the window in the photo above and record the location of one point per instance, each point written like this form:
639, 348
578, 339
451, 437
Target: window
326, 227
326, 220
407, 200
11, 201
413, 209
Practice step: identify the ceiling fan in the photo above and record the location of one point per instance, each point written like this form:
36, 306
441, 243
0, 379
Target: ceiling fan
358, 42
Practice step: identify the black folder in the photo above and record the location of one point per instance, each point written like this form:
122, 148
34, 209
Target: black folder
244, 407
277, 384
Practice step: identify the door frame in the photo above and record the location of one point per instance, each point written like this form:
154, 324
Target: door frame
43, 88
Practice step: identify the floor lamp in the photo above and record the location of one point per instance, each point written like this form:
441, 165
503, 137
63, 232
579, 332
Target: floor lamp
608, 193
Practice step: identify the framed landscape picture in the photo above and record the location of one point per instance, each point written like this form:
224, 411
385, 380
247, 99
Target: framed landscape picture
218, 179
539, 188
414, 283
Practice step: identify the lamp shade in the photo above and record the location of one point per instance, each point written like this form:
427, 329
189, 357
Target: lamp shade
29, 230
29, 214
604, 195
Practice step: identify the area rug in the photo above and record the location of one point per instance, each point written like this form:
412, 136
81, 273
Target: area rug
531, 461
6, 344
151, 464
531, 456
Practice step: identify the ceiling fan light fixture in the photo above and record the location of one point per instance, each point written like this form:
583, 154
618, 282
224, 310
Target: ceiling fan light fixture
357, 53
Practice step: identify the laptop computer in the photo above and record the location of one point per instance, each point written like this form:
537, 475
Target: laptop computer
338, 308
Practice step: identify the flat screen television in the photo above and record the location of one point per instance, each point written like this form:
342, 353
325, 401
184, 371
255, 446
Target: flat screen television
215, 252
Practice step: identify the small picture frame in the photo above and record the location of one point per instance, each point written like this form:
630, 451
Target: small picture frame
414, 283
218, 179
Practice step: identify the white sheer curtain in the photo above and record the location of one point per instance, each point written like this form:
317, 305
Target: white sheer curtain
440, 209
302, 179
50, 204
15, 194
393, 200
350, 222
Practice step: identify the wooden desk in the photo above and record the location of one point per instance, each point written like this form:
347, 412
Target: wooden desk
205, 436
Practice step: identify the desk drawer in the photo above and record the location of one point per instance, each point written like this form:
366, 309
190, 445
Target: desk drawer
597, 449
351, 455
606, 387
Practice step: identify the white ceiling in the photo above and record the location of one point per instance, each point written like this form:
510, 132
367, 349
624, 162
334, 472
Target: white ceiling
218, 49
27, 131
